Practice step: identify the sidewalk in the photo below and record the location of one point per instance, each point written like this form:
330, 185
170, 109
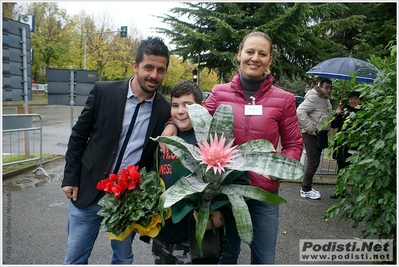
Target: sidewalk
38, 98
35, 213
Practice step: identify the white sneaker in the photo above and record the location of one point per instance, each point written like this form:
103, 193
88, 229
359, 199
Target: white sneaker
317, 192
310, 194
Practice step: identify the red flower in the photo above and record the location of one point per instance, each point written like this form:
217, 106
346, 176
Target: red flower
133, 172
105, 185
127, 179
123, 184
133, 185
113, 177
117, 190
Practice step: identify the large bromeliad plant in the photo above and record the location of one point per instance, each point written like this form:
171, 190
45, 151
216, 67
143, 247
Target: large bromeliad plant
208, 170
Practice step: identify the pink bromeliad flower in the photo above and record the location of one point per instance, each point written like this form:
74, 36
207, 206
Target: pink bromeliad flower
216, 155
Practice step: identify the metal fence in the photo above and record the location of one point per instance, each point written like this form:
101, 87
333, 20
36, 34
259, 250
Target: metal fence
327, 166
22, 142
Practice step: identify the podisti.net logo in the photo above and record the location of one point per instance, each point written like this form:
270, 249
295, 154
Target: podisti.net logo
346, 250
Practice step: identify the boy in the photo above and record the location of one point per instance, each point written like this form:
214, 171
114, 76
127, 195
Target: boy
171, 246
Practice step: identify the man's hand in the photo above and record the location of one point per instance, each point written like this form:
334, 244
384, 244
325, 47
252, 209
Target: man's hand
170, 130
339, 111
71, 192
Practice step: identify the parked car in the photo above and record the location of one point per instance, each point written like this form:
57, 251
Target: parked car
298, 100
206, 95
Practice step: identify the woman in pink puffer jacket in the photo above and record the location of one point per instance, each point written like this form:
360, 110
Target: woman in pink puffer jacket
278, 122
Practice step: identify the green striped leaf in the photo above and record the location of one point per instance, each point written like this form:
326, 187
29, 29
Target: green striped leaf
236, 194
259, 145
186, 153
186, 186
252, 192
223, 122
202, 222
201, 121
269, 164
242, 218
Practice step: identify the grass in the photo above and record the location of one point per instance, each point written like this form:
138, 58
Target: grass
24, 165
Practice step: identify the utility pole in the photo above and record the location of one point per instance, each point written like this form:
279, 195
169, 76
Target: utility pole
199, 70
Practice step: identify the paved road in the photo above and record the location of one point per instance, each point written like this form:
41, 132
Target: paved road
35, 211
35, 214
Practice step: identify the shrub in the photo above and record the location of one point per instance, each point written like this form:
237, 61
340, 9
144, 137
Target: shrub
372, 172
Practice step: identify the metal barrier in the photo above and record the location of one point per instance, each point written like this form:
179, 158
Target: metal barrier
19, 132
327, 166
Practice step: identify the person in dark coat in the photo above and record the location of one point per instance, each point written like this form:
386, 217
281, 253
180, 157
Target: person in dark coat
342, 151
97, 146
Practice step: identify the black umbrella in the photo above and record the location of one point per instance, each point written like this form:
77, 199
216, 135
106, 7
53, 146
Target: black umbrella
345, 68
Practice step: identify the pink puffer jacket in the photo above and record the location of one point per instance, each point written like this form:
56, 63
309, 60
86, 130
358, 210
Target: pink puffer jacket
279, 119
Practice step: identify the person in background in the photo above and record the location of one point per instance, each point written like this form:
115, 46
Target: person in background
341, 151
172, 246
261, 111
314, 115
97, 146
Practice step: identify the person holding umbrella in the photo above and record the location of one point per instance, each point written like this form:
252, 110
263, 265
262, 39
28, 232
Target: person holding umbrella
314, 115
341, 151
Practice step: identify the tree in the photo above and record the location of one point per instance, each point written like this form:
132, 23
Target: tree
124, 54
370, 38
208, 79
100, 44
304, 34
51, 37
372, 172
84, 26
106, 51
8, 10
179, 70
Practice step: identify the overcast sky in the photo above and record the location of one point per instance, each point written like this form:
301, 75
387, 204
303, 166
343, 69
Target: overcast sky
125, 13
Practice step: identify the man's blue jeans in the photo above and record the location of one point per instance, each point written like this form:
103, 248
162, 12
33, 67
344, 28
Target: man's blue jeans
265, 227
83, 228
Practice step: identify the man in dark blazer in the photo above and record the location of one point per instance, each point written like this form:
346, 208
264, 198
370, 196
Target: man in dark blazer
96, 140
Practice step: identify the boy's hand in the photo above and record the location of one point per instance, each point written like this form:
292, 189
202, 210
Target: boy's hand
215, 215
170, 130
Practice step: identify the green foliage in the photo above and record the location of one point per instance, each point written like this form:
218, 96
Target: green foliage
303, 34
372, 172
8, 10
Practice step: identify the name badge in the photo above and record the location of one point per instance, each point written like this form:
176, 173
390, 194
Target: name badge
253, 110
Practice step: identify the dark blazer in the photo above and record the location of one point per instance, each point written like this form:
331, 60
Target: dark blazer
94, 140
